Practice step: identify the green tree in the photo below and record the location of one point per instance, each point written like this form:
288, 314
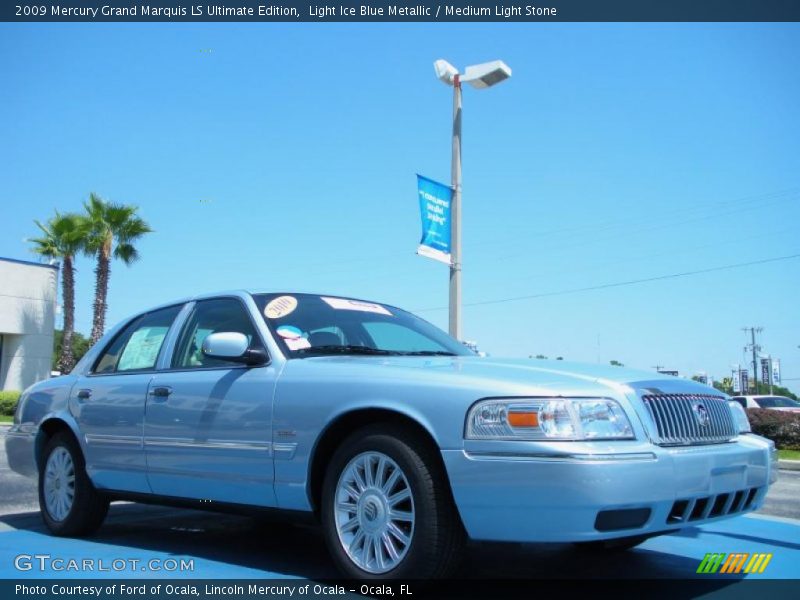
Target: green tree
114, 228
615, 363
725, 386
80, 346
777, 390
63, 237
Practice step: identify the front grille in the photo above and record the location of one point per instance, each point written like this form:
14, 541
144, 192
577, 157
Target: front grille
709, 507
686, 419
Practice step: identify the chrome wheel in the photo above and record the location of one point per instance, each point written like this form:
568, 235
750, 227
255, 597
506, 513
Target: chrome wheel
59, 483
374, 512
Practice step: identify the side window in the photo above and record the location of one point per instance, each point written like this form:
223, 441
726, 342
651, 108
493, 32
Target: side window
137, 347
211, 316
390, 336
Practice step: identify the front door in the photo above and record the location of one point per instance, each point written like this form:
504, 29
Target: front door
208, 422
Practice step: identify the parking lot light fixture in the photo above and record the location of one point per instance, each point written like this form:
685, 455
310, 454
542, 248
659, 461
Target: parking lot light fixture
479, 76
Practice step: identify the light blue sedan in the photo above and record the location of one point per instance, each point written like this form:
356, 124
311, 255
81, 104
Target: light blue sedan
397, 438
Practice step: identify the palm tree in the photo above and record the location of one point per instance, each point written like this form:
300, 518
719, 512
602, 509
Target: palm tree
113, 230
63, 237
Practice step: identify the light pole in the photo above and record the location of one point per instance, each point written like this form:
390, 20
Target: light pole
478, 76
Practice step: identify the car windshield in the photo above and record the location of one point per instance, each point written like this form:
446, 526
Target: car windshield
310, 325
777, 402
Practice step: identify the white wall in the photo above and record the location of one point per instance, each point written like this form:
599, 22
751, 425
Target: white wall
28, 293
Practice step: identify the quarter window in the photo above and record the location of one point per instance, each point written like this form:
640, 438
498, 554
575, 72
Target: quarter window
211, 316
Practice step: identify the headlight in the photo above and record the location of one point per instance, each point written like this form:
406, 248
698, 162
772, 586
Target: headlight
739, 417
548, 419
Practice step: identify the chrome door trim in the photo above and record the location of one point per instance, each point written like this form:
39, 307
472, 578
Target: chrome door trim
100, 439
215, 444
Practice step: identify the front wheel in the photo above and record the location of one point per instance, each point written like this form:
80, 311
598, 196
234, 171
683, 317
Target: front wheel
387, 512
69, 503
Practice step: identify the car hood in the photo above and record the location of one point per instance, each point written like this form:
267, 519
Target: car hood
507, 375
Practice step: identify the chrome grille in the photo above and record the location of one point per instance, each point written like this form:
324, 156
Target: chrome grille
686, 419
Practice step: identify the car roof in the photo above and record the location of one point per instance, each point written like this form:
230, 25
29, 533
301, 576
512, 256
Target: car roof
242, 293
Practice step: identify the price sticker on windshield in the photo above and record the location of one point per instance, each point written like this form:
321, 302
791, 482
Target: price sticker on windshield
346, 304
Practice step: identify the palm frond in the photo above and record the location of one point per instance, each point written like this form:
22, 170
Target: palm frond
126, 253
109, 222
64, 235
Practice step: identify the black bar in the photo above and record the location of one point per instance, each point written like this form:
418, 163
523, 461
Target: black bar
462, 589
259, 11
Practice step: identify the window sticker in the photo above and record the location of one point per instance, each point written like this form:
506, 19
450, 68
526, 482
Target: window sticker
289, 332
142, 349
346, 304
280, 307
297, 343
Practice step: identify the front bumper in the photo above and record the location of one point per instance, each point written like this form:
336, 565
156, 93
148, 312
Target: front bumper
528, 492
20, 449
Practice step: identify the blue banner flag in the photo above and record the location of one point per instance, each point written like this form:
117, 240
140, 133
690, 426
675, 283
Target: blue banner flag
434, 207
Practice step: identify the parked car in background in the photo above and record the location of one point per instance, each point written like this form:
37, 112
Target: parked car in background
399, 440
771, 402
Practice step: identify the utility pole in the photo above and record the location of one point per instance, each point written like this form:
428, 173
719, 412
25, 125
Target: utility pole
755, 348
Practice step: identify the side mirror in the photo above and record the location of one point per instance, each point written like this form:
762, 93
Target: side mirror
234, 347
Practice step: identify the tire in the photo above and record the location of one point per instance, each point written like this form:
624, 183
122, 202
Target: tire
68, 502
385, 491
612, 546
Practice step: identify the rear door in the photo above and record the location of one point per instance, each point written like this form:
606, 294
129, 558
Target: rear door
208, 425
109, 402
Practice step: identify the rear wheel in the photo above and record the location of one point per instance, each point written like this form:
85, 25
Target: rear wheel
69, 503
386, 508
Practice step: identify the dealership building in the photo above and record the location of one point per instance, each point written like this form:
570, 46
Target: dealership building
28, 293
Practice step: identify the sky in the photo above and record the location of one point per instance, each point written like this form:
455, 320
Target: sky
282, 157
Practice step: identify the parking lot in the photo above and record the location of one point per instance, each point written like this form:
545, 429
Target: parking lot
225, 546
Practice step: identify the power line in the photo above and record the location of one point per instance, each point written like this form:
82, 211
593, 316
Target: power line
621, 283
650, 226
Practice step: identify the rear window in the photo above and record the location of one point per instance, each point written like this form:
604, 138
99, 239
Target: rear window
777, 402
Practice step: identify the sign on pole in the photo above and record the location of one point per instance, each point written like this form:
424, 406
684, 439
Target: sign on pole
776, 371
745, 380
736, 380
434, 205
766, 372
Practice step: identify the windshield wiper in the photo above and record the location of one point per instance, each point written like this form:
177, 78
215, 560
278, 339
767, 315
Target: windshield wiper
429, 353
346, 349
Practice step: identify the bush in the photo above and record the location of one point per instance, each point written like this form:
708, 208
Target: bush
782, 427
8, 403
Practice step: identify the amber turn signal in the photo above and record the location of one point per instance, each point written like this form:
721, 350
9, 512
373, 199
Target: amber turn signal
523, 419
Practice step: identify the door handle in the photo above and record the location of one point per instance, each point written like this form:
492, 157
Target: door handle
161, 391
84, 394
